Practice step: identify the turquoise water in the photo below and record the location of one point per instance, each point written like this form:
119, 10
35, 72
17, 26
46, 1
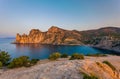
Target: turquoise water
43, 51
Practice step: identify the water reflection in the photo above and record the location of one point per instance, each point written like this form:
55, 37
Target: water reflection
43, 51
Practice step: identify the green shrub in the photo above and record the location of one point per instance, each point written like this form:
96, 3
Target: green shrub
54, 56
96, 55
1, 64
19, 62
89, 77
77, 56
110, 65
64, 55
34, 61
4, 57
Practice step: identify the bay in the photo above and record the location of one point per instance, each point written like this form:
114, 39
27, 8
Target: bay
43, 51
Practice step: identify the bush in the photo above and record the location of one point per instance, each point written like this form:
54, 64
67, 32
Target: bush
1, 64
64, 55
4, 57
96, 55
110, 65
19, 62
54, 56
77, 56
34, 61
89, 77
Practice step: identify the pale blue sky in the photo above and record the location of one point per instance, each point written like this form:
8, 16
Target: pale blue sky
19, 16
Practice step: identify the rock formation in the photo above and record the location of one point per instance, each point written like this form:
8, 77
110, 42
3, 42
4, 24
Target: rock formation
106, 38
54, 35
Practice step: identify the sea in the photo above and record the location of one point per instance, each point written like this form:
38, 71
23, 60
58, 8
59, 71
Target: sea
43, 51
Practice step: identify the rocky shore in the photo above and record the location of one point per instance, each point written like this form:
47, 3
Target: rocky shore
66, 69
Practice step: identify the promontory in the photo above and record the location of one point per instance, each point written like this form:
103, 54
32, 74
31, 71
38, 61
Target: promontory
106, 38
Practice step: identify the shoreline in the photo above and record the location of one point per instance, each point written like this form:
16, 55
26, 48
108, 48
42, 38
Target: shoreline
115, 51
49, 44
97, 47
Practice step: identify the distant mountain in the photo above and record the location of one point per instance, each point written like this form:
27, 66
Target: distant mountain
113, 32
103, 38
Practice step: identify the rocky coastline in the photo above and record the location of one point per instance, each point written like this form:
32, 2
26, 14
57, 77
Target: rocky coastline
103, 38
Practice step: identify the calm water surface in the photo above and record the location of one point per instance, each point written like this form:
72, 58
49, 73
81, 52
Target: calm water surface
43, 51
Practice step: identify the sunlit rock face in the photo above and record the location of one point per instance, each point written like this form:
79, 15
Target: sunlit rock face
35, 36
58, 36
54, 35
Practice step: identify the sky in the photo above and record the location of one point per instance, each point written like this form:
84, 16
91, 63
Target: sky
20, 16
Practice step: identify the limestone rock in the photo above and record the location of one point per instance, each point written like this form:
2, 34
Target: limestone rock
54, 35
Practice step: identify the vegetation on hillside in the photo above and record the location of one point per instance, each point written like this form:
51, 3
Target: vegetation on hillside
5, 60
109, 64
76, 56
64, 55
54, 56
85, 76
1, 64
96, 55
4, 57
22, 61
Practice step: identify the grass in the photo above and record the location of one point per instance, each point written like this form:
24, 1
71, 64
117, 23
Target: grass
64, 55
99, 64
97, 55
76, 56
109, 64
85, 76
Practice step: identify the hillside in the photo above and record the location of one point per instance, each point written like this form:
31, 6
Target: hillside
103, 38
110, 32
67, 69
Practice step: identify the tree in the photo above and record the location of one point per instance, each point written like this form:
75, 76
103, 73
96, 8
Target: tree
4, 57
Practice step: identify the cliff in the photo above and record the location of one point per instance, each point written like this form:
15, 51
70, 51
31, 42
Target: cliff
107, 38
54, 35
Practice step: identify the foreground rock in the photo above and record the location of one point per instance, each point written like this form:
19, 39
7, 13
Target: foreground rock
66, 69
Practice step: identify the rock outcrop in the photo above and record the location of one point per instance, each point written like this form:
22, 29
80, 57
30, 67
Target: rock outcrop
54, 35
109, 43
66, 69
